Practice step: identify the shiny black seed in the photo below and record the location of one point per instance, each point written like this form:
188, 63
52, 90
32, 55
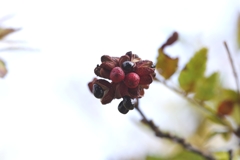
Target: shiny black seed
127, 66
122, 109
97, 91
127, 103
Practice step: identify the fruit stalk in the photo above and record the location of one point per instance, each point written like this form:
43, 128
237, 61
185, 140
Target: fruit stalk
176, 139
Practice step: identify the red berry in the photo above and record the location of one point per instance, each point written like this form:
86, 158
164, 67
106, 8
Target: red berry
132, 80
117, 74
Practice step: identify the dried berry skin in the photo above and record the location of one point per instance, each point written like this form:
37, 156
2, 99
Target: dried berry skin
127, 103
117, 74
129, 53
97, 91
132, 80
122, 109
127, 66
173, 38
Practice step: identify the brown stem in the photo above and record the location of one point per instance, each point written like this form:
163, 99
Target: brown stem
161, 134
233, 70
236, 80
199, 104
230, 154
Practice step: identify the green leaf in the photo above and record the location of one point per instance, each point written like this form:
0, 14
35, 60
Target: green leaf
193, 71
206, 87
221, 155
3, 69
184, 155
166, 66
225, 134
236, 114
215, 119
229, 94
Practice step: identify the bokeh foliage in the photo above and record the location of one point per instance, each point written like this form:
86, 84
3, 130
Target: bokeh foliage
220, 105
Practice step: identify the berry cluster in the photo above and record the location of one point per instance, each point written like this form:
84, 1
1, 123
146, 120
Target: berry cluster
125, 77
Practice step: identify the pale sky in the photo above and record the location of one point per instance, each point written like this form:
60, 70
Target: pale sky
46, 109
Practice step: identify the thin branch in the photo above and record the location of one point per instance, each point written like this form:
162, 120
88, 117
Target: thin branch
233, 70
197, 103
17, 49
230, 154
161, 134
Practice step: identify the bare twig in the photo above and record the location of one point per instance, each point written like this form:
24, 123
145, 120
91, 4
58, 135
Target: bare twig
199, 104
230, 154
17, 49
233, 70
161, 134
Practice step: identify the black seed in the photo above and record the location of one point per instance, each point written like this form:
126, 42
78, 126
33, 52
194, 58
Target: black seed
122, 109
127, 66
127, 103
97, 91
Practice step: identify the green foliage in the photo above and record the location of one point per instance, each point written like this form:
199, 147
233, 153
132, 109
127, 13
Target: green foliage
193, 71
206, 87
226, 135
183, 155
221, 155
166, 66
236, 114
228, 94
220, 106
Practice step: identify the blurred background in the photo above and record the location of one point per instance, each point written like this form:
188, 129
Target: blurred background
46, 109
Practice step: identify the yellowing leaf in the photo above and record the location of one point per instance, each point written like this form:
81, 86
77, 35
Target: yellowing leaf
221, 155
166, 66
6, 31
206, 87
3, 70
193, 71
